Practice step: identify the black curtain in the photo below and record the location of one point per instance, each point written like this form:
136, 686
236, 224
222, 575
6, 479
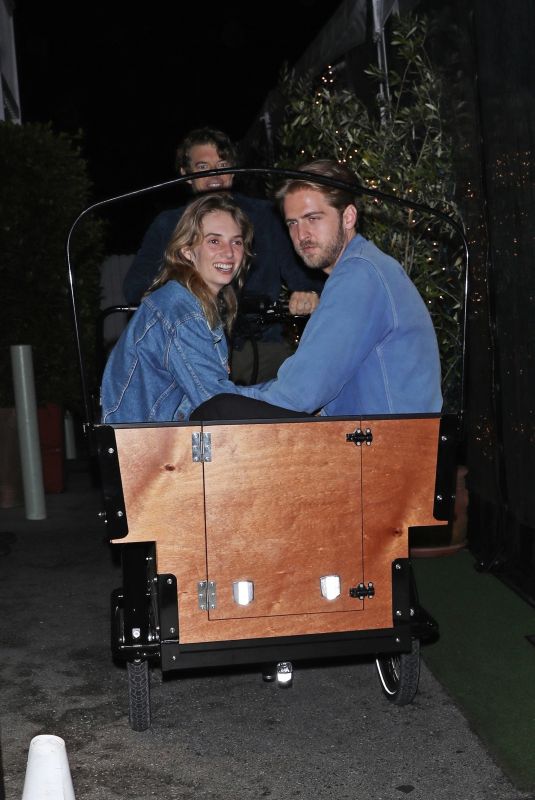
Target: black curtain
493, 78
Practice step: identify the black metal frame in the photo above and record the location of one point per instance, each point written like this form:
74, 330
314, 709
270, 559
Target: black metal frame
144, 611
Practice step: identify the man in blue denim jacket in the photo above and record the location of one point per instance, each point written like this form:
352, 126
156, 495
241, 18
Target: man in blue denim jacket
370, 346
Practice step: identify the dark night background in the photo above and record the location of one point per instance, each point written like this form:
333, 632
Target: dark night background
135, 78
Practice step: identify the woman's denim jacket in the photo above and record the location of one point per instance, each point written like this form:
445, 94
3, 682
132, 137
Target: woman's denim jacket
166, 362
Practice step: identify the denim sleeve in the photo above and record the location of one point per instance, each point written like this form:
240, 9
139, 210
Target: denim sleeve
148, 259
198, 362
351, 317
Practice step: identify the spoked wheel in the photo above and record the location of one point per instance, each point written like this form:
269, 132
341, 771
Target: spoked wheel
399, 674
139, 695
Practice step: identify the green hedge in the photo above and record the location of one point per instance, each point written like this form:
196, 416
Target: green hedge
43, 187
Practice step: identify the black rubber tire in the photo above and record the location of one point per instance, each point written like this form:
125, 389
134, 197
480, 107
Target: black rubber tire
139, 695
400, 674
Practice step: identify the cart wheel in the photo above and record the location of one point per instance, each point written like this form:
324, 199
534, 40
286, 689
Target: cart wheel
139, 695
399, 674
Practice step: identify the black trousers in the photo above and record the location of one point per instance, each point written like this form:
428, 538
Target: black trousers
235, 406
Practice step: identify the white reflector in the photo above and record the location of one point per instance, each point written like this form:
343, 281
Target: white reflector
243, 592
330, 586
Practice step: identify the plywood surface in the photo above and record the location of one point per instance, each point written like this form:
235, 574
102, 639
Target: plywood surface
164, 502
280, 504
398, 484
283, 508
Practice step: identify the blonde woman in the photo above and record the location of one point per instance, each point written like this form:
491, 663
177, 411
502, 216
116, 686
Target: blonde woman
173, 354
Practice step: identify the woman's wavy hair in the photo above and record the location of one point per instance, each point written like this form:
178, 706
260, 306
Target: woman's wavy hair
188, 233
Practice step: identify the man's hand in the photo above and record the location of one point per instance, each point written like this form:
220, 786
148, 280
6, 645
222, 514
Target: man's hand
302, 303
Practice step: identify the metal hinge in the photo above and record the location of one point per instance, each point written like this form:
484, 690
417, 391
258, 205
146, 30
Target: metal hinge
359, 436
206, 592
362, 591
201, 446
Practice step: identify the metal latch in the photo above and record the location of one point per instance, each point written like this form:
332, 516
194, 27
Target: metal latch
206, 592
201, 446
359, 436
362, 591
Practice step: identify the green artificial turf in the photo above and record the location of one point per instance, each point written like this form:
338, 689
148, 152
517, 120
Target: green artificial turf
482, 657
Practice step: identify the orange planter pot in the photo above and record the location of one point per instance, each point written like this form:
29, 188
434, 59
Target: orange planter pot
52, 438
11, 493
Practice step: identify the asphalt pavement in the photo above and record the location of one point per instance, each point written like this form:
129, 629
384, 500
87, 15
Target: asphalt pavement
215, 735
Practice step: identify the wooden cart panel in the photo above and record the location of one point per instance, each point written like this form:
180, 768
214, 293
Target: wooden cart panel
280, 505
283, 509
398, 487
164, 502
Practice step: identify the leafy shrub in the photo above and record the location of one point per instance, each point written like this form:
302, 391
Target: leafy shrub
43, 186
400, 147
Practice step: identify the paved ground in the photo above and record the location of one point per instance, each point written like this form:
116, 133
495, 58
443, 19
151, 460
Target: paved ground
215, 735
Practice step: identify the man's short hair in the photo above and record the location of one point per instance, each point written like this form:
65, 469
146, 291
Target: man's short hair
222, 143
327, 168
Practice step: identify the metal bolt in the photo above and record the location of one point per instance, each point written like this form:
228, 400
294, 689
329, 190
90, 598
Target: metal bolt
398, 640
172, 630
120, 514
411, 612
169, 580
136, 633
439, 497
398, 613
443, 438
111, 450
174, 658
398, 566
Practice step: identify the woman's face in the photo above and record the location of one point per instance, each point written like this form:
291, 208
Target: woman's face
219, 255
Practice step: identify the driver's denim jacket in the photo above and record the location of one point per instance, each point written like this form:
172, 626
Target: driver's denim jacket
166, 362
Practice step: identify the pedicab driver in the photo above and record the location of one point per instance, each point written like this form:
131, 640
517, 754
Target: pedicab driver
370, 346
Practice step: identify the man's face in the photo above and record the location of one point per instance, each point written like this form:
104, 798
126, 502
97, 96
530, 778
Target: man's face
205, 157
318, 231
219, 254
